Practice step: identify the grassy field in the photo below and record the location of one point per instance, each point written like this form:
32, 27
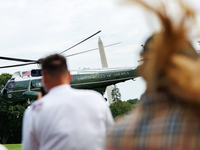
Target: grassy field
13, 146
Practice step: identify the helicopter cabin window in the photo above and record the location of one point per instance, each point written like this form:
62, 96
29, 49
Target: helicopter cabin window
36, 84
11, 85
21, 85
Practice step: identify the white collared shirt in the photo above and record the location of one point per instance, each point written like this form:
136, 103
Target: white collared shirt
66, 119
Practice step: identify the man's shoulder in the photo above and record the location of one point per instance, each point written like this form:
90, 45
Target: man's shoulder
35, 106
66, 89
86, 92
87, 95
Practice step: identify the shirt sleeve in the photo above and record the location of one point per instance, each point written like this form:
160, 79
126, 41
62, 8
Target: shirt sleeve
29, 141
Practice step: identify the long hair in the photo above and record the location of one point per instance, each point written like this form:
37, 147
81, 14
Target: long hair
170, 40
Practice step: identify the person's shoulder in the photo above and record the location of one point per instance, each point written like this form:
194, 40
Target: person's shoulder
86, 92
35, 106
90, 95
126, 124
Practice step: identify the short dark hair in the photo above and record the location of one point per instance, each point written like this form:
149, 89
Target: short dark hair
54, 65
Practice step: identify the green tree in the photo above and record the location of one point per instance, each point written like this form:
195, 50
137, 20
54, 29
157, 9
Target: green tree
119, 108
11, 114
4, 77
116, 95
115, 110
132, 101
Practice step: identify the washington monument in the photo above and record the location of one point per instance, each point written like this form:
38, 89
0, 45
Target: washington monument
105, 65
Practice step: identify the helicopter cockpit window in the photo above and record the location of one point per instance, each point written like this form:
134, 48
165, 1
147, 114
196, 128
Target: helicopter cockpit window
11, 85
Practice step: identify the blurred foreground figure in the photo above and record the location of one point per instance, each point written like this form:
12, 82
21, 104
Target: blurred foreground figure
164, 119
65, 118
3, 147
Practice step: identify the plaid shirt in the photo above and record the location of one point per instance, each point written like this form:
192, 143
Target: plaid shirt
159, 122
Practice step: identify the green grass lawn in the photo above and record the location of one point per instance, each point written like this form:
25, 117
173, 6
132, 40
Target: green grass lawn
13, 146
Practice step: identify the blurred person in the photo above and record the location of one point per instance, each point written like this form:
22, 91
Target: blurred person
163, 119
65, 118
188, 86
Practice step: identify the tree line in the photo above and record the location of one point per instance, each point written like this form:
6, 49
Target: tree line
11, 114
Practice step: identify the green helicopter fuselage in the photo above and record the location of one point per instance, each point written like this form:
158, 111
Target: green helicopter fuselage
24, 88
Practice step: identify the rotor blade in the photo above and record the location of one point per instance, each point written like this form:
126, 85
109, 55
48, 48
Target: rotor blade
91, 50
16, 65
80, 42
17, 59
36, 61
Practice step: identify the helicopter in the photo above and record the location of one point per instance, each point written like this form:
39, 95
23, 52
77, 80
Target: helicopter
20, 88
26, 85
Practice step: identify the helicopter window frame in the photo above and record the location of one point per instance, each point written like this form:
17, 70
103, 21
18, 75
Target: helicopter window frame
32, 86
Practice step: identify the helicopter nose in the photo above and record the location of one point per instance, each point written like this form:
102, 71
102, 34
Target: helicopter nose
2, 91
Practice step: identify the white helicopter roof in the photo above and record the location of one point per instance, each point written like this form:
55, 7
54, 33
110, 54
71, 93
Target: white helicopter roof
26, 75
23, 75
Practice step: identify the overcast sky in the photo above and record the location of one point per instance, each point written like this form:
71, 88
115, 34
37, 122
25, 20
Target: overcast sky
35, 29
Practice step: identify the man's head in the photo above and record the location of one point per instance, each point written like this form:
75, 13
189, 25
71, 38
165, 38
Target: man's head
55, 71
